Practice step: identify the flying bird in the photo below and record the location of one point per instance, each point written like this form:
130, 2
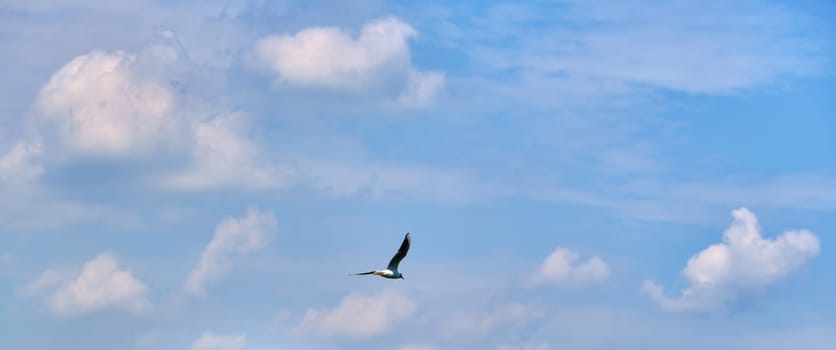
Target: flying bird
391, 271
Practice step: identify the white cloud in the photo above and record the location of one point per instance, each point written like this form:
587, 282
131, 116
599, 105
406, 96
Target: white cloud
376, 61
360, 316
211, 341
100, 104
100, 285
18, 165
564, 267
233, 237
743, 264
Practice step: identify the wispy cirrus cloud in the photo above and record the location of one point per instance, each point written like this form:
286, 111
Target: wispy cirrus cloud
340, 178
730, 46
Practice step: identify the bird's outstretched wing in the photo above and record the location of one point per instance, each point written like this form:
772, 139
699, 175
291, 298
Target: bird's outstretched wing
393, 264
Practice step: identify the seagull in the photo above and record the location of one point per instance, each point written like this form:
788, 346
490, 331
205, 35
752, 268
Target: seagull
391, 271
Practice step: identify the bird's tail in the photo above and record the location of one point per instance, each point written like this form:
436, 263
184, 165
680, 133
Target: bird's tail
362, 273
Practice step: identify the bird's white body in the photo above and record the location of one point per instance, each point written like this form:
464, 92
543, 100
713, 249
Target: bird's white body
385, 273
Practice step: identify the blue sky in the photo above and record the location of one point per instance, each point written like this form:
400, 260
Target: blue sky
575, 175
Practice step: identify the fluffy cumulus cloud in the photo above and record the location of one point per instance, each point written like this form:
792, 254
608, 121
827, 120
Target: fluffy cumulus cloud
212, 341
233, 237
377, 61
360, 316
743, 264
100, 103
564, 267
100, 285
124, 105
